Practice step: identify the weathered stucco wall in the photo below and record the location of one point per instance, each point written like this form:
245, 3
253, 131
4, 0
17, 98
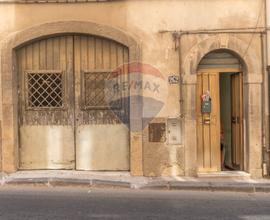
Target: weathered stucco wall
144, 20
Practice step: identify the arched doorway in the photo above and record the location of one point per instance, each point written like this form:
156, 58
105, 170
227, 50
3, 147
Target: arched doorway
64, 119
220, 135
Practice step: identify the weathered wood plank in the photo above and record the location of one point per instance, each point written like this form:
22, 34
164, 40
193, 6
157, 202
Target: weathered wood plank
99, 53
49, 54
106, 54
91, 53
113, 54
42, 55
56, 53
215, 123
29, 57
36, 56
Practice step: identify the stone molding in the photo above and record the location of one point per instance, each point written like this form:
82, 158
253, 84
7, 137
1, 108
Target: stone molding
253, 78
234, 45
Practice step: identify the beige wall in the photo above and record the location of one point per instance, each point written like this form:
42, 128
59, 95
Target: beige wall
144, 19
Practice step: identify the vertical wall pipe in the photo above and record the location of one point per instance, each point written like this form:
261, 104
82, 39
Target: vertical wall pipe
266, 72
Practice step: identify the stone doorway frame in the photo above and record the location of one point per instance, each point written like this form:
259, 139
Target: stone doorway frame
8, 82
252, 86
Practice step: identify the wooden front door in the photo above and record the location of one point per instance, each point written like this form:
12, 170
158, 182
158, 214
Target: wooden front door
237, 120
64, 119
208, 123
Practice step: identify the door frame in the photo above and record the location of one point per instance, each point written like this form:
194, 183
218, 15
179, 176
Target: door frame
252, 88
228, 70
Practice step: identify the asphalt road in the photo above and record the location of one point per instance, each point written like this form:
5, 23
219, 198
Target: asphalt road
75, 204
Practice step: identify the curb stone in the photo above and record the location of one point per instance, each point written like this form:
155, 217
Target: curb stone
152, 185
190, 186
228, 187
26, 181
69, 182
54, 182
155, 186
262, 188
234, 189
109, 183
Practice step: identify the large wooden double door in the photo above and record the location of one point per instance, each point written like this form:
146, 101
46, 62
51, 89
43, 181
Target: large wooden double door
65, 121
208, 123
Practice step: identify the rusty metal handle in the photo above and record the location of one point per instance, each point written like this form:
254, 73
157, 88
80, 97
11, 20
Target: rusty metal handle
235, 120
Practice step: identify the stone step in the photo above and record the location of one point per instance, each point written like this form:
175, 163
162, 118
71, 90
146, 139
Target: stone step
224, 175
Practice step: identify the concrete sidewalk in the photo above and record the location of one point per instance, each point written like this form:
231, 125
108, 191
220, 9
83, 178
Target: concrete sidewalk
53, 178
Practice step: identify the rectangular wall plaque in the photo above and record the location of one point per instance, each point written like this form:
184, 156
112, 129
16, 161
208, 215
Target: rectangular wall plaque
157, 132
174, 131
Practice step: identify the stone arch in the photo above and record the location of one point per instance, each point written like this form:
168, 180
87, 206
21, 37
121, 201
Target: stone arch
69, 27
232, 54
9, 119
231, 44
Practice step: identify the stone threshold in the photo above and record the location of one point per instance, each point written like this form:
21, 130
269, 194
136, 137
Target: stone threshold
225, 175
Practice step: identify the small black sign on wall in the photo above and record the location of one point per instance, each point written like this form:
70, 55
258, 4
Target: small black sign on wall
174, 79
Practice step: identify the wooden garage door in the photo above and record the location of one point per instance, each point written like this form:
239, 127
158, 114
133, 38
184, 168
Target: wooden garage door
64, 120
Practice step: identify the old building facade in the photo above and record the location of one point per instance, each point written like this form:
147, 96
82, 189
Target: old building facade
149, 87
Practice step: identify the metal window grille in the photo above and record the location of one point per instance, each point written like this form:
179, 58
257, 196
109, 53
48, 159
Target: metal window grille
44, 90
96, 92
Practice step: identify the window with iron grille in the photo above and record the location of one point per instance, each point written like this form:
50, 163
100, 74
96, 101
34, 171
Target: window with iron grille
44, 90
96, 91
